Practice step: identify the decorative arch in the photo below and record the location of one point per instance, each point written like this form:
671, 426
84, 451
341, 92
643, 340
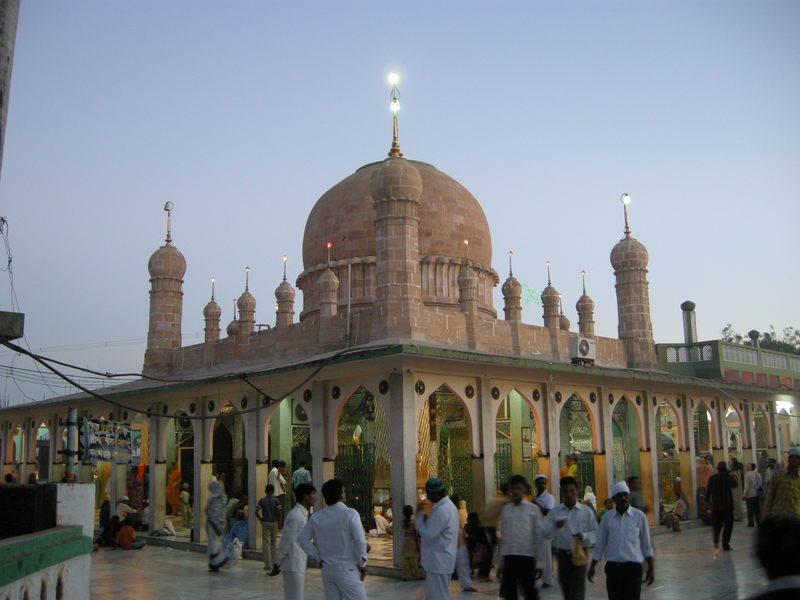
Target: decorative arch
640, 419
625, 454
577, 439
517, 436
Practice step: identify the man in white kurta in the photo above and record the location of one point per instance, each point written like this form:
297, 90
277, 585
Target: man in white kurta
438, 534
334, 537
546, 502
289, 556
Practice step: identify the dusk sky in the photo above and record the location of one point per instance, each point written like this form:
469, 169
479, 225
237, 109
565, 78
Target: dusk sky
244, 113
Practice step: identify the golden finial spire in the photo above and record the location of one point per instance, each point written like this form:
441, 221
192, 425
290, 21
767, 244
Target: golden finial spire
213, 284
328, 246
168, 206
247, 279
583, 279
285, 258
547, 264
394, 106
626, 199
510, 271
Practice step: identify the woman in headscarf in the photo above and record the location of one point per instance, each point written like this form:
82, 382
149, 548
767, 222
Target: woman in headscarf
589, 498
215, 526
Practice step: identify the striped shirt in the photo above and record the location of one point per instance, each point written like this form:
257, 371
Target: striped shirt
784, 495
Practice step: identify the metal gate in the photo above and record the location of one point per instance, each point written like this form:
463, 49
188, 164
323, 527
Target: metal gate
502, 464
354, 467
586, 470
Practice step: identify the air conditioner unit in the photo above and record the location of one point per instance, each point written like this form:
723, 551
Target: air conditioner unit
582, 350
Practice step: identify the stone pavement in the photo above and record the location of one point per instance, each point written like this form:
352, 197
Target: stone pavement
687, 568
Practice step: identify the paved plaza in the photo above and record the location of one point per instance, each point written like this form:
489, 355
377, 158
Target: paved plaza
687, 568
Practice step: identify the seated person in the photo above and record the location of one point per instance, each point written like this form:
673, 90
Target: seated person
126, 539
382, 527
679, 512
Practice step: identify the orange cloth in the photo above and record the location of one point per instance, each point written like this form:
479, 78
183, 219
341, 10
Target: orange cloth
174, 489
127, 535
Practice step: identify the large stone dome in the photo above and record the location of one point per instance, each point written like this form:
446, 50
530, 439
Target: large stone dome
448, 215
345, 216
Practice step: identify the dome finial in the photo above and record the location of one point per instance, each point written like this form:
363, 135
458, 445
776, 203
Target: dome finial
626, 199
246, 279
168, 206
466, 252
394, 106
328, 246
547, 264
561, 304
583, 280
510, 271
213, 284
234, 309
285, 259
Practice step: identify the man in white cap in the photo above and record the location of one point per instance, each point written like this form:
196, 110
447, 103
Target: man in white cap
784, 489
546, 502
571, 524
438, 534
624, 539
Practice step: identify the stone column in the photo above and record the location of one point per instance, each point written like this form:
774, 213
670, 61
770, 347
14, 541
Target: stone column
488, 442
402, 440
321, 459
605, 466
554, 437
158, 474
648, 461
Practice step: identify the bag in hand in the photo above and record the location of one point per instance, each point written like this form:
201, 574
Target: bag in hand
579, 558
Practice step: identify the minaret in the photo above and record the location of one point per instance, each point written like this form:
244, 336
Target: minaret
167, 267
629, 259
284, 295
563, 321
212, 313
233, 327
247, 307
396, 188
512, 295
328, 293
468, 289
585, 308
550, 300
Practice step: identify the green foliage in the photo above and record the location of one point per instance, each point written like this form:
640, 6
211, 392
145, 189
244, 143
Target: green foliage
787, 340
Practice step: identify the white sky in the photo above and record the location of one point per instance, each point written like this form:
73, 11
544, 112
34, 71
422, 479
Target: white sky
546, 112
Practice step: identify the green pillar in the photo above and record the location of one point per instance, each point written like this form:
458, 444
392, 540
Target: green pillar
280, 443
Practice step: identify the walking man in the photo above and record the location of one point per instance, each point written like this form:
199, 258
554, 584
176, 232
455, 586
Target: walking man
290, 558
568, 525
753, 487
335, 539
278, 482
624, 540
720, 494
300, 476
546, 502
438, 534
268, 511
520, 542
784, 489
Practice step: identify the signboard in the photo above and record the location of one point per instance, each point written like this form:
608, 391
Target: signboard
104, 440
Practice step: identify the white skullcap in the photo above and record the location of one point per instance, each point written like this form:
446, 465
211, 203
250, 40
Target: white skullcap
620, 487
794, 451
538, 477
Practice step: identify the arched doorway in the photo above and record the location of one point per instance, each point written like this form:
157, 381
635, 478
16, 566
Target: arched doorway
701, 430
667, 444
625, 429
761, 427
362, 460
576, 456
445, 445
180, 466
228, 458
516, 450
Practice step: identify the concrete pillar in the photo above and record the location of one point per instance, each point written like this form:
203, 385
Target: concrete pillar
257, 467
605, 468
402, 440
648, 460
280, 443
488, 439
158, 473
119, 482
554, 437
202, 477
321, 458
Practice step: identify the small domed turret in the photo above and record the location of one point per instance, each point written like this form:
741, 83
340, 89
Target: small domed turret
212, 311
233, 328
396, 178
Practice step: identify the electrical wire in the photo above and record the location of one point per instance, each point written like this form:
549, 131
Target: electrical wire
45, 362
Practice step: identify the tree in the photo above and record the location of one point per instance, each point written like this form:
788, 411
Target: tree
787, 340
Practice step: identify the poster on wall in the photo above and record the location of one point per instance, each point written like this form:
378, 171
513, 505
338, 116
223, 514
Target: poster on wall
527, 444
104, 440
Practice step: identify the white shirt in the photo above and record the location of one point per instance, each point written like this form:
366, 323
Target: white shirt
752, 481
277, 481
338, 537
439, 538
289, 555
521, 529
123, 510
580, 519
624, 537
546, 501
